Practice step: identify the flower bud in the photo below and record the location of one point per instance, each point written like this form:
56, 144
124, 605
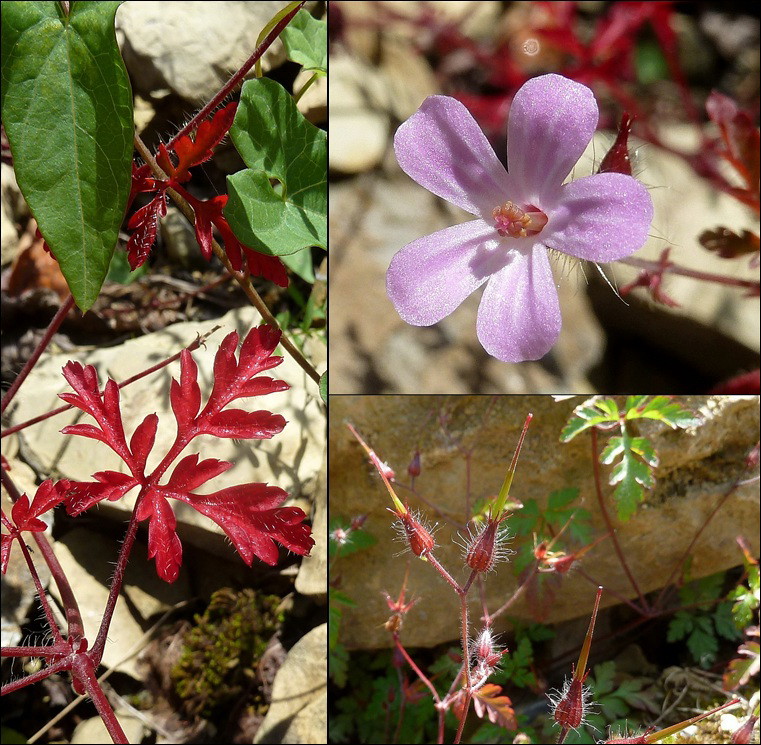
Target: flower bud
413, 469
414, 533
570, 708
484, 549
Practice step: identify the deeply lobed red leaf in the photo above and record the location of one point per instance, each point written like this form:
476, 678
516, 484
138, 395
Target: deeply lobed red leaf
145, 224
250, 514
193, 152
25, 515
259, 264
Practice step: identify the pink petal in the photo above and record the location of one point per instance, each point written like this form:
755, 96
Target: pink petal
551, 121
601, 218
444, 150
519, 315
431, 276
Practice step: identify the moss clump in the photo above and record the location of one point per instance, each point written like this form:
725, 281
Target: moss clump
218, 662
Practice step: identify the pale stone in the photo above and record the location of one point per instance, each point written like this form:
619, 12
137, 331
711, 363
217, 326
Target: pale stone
192, 48
696, 469
297, 712
93, 731
313, 572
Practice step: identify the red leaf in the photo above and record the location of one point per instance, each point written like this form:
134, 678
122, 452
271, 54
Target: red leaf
26, 515
111, 485
487, 700
185, 396
230, 376
145, 223
209, 134
190, 474
143, 439
245, 425
249, 514
210, 212
269, 267
106, 412
163, 543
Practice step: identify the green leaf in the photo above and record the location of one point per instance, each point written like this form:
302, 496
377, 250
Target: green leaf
324, 386
524, 521
562, 498
277, 142
679, 626
630, 473
119, 270
603, 678
306, 41
725, 625
702, 642
591, 413
338, 664
301, 264
67, 111
664, 409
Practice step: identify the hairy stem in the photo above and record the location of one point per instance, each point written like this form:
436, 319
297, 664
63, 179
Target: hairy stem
609, 523
53, 326
240, 277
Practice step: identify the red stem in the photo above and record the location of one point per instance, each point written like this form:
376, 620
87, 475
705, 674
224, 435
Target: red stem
96, 652
657, 267
17, 685
73, 616
418, 671
53, 326
609, 524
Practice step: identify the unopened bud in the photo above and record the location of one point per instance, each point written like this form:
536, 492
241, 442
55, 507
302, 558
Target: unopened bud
484, 549
413, 469
417, 535
570, 708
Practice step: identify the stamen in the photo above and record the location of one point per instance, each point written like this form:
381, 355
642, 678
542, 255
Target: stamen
517, 222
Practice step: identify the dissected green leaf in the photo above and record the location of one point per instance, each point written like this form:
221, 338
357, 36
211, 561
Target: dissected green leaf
277, 142
664, 409
67, 111
589, 414
306, 41
635, 458
324, 386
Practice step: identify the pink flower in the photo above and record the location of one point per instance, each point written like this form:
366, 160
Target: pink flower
521, 214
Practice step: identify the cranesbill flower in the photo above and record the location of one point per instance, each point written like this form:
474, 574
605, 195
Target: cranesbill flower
523, 213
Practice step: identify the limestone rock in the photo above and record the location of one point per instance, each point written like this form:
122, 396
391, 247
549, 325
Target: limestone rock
298, 711
192, 48
697, 467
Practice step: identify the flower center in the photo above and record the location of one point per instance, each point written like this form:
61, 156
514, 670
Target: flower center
518, 222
